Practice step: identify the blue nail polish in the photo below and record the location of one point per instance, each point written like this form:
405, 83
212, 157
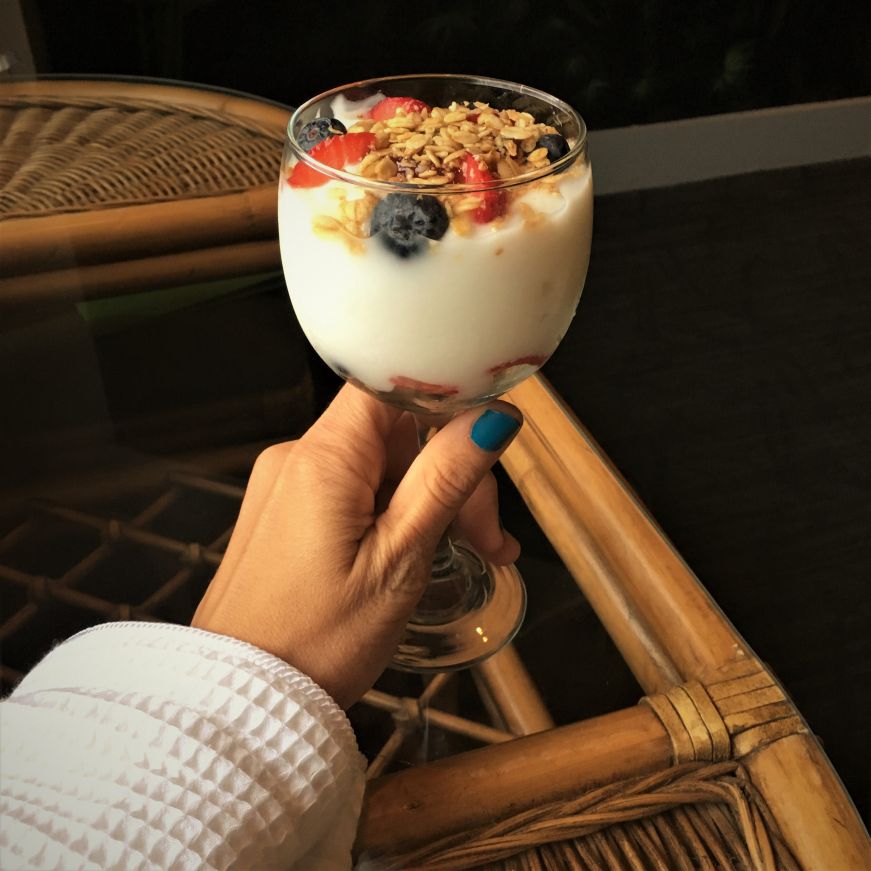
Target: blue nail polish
493, 429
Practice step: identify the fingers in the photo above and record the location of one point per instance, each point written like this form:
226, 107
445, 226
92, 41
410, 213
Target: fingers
352, 432
478, 523
508, 553
446, 474
401, 448
354, 413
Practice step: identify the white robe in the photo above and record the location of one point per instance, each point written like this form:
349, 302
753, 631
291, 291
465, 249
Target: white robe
137, 745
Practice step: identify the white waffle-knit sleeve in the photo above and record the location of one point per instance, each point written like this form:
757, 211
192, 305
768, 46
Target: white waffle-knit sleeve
136, 745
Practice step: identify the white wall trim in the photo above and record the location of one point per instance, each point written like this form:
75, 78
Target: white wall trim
696, 149
16, 56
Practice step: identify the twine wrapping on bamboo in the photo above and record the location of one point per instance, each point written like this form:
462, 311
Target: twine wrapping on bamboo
694, 725
730, 718
686, 817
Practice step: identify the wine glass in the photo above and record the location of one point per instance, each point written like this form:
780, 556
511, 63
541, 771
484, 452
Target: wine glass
435, 234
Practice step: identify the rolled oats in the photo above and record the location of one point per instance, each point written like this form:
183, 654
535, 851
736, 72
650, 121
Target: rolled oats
429, 147
435, 180
417, 141
530, 216
326, 224
466, 204
518, 132
385, 169
454, 156
507, 168
462, 225
400, 121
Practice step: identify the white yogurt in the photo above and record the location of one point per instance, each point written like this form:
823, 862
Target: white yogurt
453, 313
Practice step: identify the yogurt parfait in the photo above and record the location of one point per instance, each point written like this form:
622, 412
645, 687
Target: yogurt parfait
435, 233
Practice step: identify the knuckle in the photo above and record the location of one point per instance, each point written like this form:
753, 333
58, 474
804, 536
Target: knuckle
311, 466
271, 459
404, 570
322, 458
449, 487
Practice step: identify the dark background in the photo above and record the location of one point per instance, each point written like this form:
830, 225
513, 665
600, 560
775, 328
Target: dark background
617, 62
722, 353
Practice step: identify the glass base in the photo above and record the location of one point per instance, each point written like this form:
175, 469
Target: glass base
464, 618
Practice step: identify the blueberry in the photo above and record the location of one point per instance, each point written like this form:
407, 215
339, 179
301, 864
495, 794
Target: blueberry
555, 144
318, 130
403, 221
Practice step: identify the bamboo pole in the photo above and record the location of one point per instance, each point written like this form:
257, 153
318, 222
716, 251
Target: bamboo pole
816, 817
41, 244
505, 682
665, 624
442, 719
539, 478
658, 613
123, 277
421, 804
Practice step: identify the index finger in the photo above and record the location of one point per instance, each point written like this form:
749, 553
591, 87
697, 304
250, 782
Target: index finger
353, 430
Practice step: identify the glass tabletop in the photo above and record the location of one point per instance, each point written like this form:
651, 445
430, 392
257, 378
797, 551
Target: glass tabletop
720, 356
139, 400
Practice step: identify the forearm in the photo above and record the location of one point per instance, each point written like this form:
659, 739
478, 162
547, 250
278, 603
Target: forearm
142, 744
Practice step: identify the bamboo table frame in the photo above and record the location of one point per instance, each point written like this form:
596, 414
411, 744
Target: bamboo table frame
709, 698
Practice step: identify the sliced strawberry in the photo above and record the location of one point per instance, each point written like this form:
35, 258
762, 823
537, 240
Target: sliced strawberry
330, 152
357, 146
389, 107
403, 382
529, 360
337, 152
493, 203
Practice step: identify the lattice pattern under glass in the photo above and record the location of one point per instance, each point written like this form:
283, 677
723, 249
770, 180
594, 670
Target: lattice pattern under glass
150, 557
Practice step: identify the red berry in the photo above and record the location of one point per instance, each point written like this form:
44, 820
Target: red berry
529, 360
493, 203
357, 146
337, 152
389, 107
330, 152
403, 382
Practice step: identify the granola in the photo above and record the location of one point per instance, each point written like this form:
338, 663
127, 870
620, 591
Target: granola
429, 144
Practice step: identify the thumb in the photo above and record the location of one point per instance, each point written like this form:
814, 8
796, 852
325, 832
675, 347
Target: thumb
447, 472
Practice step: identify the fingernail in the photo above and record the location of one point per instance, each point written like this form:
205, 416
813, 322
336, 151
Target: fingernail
493, 429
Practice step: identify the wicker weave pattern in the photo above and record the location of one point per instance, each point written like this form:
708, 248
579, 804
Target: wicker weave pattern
688, 817
67, 155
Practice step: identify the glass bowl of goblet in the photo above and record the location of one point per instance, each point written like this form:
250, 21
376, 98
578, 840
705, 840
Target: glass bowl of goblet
435, 235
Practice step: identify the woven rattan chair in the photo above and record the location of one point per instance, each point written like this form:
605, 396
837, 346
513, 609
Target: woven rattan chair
109, 188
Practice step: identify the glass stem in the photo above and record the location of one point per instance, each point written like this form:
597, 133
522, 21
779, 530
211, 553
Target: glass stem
450, 586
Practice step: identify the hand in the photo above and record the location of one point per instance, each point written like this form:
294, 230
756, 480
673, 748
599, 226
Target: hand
335, 537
